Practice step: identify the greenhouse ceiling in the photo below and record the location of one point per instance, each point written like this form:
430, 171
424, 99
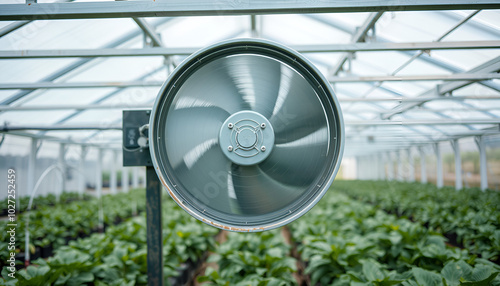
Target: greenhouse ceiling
407, 73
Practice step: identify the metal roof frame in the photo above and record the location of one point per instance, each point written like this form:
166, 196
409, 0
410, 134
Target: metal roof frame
485, 74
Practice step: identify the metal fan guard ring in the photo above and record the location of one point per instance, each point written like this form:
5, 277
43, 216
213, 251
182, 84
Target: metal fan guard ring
275, 51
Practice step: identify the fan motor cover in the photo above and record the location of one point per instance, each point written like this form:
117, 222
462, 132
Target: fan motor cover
246, 135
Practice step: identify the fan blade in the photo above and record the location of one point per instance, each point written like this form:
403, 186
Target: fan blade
257, 79
297, 110
257, 193
300, 161
212, 85
189, 131
206, 179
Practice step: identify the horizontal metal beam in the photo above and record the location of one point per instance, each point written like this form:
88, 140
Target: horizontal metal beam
490, 66
450, 77
421, 110
347, 79
416, 99
174, 8
21, 108
49, 85
7, 128
63, 140
158, 51
72, 107
422, 122
405, 133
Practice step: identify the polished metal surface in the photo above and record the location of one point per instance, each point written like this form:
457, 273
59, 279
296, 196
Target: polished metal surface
246, 135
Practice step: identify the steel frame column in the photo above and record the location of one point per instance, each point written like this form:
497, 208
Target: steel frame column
483, 166
135, 178
81, 177
390, 167
32, 165
458, 164
98, 188
439, 165
31, 172
358, 166
61, 163
112, 176
399, 175
125, 179
423, 167
381, 167
411, 166
154, 228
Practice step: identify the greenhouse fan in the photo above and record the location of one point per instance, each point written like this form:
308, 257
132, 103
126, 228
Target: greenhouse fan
246, 135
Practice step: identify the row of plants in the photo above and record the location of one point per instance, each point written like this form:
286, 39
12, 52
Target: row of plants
53, 226
119, 256
341, 241
251, 259
44, 200
470, 218
347, 242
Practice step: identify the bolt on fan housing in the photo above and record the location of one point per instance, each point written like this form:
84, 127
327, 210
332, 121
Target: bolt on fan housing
246, 135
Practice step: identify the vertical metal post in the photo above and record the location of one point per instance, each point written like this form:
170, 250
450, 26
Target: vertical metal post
483, 166
399, 175
81, 177
381, 170
253, 26
439, 165
112, 176
98, 188
423, 169
124, 179
358, 166
458, 164
31, 171
411, 166
135, 178
390, 167
62, 165
154, 228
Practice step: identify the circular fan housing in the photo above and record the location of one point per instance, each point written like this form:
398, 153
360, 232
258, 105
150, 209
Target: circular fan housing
246, 135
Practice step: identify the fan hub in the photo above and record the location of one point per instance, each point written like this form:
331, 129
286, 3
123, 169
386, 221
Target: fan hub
246, 138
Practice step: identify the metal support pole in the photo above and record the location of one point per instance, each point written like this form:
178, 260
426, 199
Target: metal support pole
411, 166
135, 178
390, 167
62, 165
458, 164
81, 179
382, 161
423, 170
98, 188
399, 175
154, 228
358, 162
483, 166
124, 179
439, 165
31, 171
112, 176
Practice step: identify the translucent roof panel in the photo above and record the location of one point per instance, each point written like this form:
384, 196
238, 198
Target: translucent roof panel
361, 101
202, 31
285, 28
413, 26
67, 34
